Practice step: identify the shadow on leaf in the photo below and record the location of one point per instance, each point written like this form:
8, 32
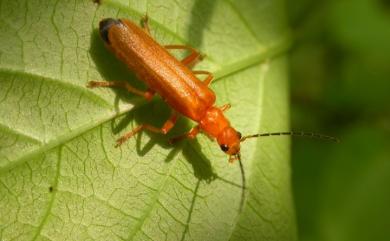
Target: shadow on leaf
200, 17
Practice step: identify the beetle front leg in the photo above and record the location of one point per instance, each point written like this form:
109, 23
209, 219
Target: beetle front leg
191, 135
168, 125
145, 24
225, 107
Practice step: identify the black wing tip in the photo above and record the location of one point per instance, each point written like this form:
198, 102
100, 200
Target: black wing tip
105, 25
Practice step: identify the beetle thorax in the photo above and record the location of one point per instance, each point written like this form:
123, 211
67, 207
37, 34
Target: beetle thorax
213, 122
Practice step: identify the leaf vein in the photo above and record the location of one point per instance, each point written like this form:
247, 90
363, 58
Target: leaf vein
149, 210
45, 217
87, 93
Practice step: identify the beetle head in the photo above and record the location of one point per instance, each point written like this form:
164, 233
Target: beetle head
229, 141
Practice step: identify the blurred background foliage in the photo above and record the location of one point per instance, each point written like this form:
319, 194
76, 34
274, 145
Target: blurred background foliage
340, 81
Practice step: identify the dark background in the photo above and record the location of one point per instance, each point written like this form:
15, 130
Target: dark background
340, 85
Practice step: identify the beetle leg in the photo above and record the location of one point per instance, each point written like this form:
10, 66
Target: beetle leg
122, 84
145, 24
191, 134
225, 107
192, 58
163, 130
209, 78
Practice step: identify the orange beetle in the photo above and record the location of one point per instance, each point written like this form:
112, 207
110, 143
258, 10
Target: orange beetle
174, 82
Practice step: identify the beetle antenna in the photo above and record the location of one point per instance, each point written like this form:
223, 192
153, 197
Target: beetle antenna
293, 133
238, 155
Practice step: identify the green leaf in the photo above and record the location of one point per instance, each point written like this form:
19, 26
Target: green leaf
60, 175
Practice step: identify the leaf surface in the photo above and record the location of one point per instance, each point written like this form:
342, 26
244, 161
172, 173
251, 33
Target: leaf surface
60, 175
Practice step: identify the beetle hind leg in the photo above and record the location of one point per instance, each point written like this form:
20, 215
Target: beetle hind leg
148, 94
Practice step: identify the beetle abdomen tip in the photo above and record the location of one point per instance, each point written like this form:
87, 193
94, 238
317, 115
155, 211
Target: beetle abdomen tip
105, 25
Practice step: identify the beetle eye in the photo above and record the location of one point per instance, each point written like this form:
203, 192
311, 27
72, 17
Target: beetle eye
239, 135
224, 147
